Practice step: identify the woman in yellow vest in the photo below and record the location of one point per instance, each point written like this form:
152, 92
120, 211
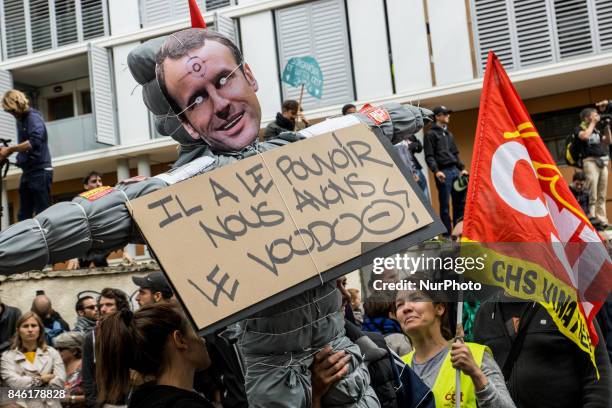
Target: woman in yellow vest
435, 358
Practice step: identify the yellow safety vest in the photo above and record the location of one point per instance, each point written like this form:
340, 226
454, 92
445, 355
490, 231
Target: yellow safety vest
444, 386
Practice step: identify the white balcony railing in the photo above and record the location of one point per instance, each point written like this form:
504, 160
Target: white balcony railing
72, 135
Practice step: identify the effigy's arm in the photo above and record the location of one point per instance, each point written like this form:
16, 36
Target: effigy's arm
99, 222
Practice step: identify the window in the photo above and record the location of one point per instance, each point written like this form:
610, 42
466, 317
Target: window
85, 102
216, 4
554, 127
60, 107
52, 23
153, 12
317, 29
529, 32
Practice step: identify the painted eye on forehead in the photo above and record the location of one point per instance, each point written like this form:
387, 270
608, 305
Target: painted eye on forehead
196, 66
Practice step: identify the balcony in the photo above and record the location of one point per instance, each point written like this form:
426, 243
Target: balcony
75, 98
72, 135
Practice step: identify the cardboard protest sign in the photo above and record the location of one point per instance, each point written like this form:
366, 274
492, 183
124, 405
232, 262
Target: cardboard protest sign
249, 234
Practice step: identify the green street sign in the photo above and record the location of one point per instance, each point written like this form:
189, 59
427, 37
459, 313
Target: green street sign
304, 70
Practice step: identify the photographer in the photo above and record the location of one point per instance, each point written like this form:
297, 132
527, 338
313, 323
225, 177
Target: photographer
595, 163
605, 124
33, 155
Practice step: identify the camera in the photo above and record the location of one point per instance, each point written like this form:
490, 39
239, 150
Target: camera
606, 120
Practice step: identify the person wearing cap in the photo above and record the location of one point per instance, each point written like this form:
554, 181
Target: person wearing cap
442, 157
153, 288
70, 347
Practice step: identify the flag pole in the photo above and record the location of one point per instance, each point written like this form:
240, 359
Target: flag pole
459, 333
299, 106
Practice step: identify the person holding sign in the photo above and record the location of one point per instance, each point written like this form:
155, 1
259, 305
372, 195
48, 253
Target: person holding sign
286, 120
436, 357
212, 92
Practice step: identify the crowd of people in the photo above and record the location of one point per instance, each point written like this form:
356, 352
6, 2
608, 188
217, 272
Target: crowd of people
319, 348
151, 357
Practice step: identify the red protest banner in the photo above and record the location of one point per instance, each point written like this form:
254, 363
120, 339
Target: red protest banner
517, 195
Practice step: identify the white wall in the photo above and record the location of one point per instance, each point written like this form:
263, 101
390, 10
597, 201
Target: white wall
259, 48
409, 45
450, 41
370, 51
132, 114
124, 16
68, 87
62, 287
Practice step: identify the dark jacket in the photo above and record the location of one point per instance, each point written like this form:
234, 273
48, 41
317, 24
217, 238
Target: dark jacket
8, 321
382, 325
226, 367
582, 196
54, 326
550, 370
440, 149
593, 146
88, 371
164, 396
31, 126
395, 384
281, 124
415, 147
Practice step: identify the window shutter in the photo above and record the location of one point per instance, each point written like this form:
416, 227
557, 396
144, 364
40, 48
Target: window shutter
8, 127
92, 16
492, 32
65, 22
533, 32
603, 12
102, 101
317, 29
573, 27
13, 27
40, 25
153, 12
216, 4
225, 26
181, 9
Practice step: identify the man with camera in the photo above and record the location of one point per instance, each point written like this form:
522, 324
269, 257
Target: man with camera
33, 155
595, 150
605, 124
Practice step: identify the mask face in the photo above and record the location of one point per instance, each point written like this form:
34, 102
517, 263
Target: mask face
219, 101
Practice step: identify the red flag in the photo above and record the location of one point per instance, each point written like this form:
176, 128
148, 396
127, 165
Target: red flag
197, 21
539, 244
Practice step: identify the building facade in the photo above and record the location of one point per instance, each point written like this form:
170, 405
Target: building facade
70, 57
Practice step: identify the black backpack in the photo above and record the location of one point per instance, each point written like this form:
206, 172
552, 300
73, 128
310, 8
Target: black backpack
573, 151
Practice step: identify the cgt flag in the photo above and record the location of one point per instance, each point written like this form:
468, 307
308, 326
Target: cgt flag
537, 242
